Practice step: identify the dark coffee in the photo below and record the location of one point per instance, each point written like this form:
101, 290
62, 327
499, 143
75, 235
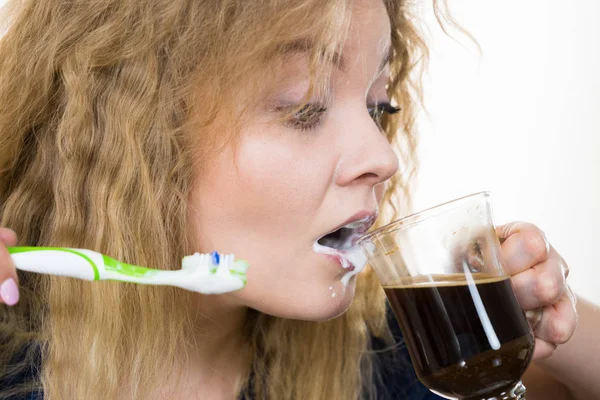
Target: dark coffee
465, 338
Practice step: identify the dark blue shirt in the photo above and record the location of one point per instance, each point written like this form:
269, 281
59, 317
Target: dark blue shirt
397, 381
398, 378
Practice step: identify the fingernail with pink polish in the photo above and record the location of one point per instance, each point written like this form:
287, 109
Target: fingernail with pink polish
9, 292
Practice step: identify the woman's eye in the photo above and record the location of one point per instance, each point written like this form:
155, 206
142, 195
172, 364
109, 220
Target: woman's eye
307, 118
376, 112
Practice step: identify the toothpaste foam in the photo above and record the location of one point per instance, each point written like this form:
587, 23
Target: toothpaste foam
352, 256
358, 259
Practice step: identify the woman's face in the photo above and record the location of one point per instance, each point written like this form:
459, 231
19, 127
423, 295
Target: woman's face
273, 195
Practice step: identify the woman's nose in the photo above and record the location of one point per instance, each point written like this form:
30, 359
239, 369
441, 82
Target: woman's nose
368, 157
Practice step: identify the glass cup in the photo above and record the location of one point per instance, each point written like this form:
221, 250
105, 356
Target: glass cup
466, 333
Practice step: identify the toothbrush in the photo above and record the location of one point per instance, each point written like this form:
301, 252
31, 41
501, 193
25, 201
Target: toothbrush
204, 273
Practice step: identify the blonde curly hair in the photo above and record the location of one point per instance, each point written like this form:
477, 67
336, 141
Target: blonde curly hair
96, 151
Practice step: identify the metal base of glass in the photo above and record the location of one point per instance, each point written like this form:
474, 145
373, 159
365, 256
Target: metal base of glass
516, 393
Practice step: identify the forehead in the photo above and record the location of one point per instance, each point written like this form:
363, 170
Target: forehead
369, 32
368, 39
363, 45
369, 24
368, 43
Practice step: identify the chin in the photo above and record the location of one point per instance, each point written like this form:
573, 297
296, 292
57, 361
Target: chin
317, 303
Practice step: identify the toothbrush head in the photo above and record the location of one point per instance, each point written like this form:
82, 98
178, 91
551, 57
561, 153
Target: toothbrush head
213, 273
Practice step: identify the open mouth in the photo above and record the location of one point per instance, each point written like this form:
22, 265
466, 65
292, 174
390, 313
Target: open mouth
345, 237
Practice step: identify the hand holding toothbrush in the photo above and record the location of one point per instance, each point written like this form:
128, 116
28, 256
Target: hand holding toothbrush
9, 292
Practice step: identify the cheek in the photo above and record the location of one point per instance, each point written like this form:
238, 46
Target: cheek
270, 185
281, 180
380, 191
262, 202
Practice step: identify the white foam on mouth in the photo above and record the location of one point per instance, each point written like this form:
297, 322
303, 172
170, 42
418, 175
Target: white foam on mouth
353, 256
358, 259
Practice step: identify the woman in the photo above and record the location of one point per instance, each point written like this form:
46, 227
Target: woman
149, 130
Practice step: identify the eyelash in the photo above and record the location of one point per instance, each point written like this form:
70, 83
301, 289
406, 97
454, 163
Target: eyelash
310, 116
379, 110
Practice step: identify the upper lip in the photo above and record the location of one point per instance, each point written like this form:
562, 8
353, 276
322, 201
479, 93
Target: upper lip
367, 219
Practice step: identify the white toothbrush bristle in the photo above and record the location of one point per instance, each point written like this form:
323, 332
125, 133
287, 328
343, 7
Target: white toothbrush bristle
227, 263
205, 277
197, 262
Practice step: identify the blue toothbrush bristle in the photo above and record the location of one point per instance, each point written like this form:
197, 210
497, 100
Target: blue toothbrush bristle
215, 258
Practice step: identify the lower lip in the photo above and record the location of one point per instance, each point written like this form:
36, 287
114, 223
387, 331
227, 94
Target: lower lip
345, 264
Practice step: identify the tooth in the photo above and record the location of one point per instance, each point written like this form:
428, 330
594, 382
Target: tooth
355, 224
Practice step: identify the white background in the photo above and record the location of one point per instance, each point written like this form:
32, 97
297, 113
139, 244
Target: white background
521, 120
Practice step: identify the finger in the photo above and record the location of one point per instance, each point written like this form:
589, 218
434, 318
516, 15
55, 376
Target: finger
565, 267
8, 237
9, 292
572, 296
524, 246
541, 285
542, 349
558, 322
534, 317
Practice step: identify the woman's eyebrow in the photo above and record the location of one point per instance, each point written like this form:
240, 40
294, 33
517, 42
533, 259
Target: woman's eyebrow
305, 46
387, 56
337, 59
